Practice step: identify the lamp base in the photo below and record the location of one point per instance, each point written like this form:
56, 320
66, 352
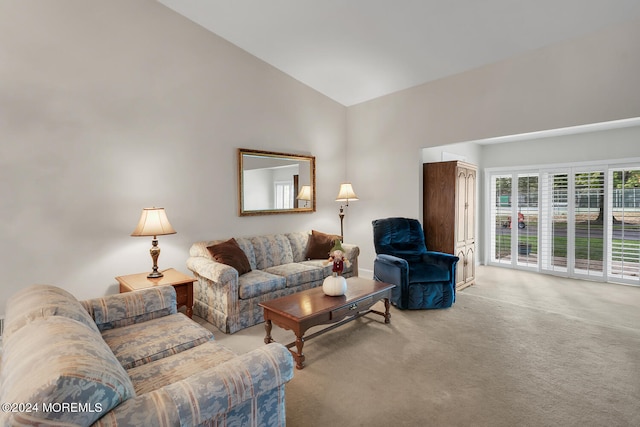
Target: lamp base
155, 274
155, 252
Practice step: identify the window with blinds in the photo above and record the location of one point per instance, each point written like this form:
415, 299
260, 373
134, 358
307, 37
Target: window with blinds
588, 223
500, 234
624, 224
527, 214
553, 221
575, 221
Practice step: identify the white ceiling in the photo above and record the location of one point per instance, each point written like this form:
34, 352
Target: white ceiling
356, 50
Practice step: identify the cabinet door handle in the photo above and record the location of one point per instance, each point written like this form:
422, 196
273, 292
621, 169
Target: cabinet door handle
353, 306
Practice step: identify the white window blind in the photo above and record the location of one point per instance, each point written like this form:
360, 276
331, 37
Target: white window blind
554, 190
500, 213
589, 214
623, 225
527, 220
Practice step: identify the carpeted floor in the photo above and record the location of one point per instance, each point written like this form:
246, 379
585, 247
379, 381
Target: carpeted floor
516, 349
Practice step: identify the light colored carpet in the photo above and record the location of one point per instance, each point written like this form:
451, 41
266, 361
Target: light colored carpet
516, 349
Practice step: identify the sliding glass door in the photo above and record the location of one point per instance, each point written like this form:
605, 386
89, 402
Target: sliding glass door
589, 220
575, 221
514, 213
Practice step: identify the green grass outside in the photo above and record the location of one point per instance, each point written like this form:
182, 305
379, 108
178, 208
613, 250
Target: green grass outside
586, 248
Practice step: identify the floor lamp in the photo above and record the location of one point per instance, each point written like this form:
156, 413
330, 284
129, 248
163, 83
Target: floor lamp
345, 194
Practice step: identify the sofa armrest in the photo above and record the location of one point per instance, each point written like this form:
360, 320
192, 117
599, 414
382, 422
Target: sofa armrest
210, 393
116, 310
351, 252
221, 277
212, 270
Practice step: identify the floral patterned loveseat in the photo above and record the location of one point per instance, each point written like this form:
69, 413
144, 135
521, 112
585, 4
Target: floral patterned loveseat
130, 360
280, 264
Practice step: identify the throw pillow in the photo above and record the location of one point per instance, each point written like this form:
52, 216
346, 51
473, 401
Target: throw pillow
229, 253
320, 245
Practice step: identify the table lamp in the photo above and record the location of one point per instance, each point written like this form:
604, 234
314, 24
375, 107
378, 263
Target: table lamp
153, 222
305, 194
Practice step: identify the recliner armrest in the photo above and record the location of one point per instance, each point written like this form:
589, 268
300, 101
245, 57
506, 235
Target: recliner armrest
394, 270
391, 269
441, 258
392, 260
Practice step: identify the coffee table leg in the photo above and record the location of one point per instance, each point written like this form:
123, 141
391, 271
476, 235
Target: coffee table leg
387, 315
299, 356
267, 327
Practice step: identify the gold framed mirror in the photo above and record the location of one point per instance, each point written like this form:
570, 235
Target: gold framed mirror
275, 183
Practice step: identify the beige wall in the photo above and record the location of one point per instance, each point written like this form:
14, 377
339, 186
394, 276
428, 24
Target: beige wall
108, 107
589, 80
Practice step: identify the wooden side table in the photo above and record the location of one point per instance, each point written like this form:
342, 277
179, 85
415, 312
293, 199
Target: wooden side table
182, 283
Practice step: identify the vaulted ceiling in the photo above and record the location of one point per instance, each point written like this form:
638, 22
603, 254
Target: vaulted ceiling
356, 50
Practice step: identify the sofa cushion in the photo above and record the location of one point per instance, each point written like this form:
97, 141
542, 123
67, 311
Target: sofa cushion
258, 282
42, 301
320, 245
299, 241
297, 274
247, 247
323, 264
270, 250
70, 363
230, 253
141, 343
154, 375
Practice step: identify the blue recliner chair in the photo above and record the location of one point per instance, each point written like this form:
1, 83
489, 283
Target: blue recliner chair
423, 279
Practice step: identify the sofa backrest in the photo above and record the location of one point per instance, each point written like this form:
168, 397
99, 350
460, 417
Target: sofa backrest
272, 249
263, 251
43, 301
55, 357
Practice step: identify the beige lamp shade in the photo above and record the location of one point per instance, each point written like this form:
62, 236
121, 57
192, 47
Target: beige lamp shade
305, 193
346, 193
153, 222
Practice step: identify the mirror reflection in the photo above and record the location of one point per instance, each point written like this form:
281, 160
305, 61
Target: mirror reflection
271, 183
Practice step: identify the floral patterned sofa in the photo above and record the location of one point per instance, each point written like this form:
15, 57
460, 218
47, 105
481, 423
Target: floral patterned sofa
130, 359
279, 264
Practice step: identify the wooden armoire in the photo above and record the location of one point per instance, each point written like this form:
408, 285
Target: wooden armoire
448, 212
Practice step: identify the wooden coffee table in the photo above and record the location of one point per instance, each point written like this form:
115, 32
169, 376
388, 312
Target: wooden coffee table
300, 311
